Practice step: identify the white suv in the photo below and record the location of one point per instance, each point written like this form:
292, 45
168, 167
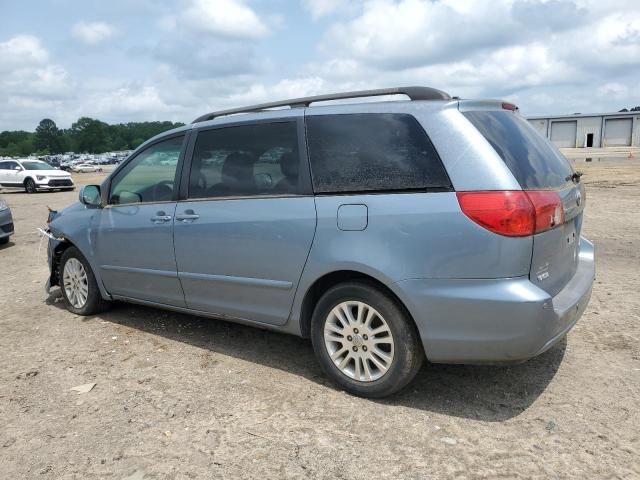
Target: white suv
33, 175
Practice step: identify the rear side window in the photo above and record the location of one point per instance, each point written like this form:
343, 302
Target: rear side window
246, 160
372, 152
8, 165
533, 161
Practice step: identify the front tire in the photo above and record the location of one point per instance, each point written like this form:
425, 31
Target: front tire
30, 186
79, 287
365, 342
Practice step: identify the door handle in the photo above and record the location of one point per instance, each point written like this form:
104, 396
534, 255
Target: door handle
161, 217
188, 216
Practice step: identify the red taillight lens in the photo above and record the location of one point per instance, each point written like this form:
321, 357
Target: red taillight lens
508, 213
513, 213
549, 209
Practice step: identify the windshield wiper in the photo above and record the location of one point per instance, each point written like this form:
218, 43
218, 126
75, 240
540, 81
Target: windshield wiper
575, 177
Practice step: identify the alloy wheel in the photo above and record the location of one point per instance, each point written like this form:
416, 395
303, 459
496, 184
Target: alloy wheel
76, 283
359, 341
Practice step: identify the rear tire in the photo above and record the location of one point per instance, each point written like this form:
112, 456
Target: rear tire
4, 241
365, 342
79, 287
30, 186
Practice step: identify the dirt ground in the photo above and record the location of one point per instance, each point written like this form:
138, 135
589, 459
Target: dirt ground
182, 397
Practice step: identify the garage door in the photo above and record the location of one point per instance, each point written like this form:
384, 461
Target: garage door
563, 134
617, 132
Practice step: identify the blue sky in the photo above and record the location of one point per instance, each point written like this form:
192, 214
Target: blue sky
134, 60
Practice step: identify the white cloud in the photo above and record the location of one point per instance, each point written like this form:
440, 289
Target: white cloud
194, 56
228, 18
615, 90
30, 86
131, 99
499, 48
20, 52
25, 70
321, 8
410, 33
92, 33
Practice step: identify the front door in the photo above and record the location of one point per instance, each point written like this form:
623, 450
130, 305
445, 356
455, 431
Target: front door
243, 233
134, 236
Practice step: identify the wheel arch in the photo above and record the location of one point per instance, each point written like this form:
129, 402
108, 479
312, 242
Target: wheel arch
26, 179
56, 255
328, 280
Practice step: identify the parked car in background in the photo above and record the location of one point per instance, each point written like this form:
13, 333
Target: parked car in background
6, 222
33, 175
86, 168
385, 232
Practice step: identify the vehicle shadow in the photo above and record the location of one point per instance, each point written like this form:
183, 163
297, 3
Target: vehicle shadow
487, 393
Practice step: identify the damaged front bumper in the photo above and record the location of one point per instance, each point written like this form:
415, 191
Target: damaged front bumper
52, 244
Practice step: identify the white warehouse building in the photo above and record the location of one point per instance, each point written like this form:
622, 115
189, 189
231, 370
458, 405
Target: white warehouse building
590, 130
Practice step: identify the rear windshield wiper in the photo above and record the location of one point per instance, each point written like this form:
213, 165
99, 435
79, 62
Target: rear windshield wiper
575, 177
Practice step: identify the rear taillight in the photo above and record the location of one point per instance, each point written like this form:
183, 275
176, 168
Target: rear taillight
548, 209
513, 213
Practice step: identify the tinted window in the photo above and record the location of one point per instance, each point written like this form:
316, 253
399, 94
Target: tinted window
371, 152
534, 162
260, 159
150, 176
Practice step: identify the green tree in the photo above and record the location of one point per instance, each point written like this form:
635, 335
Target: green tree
16, 143
90, 136
48, 137
87, 135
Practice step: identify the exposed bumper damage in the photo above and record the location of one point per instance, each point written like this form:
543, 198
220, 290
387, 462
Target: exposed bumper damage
54, 240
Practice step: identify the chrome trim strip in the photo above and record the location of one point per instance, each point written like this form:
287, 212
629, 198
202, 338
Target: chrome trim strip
143, 271
254, 282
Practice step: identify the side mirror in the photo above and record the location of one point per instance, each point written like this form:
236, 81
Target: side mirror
18, 168
90, 196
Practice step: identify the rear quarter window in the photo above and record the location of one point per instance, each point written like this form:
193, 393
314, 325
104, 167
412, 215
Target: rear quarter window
372, 153
533, 161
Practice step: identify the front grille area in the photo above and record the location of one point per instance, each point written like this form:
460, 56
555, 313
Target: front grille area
62, 182
6, 228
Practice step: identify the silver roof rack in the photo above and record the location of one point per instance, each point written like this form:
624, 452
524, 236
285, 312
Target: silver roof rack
414, 93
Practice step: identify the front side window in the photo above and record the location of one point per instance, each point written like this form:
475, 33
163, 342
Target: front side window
370, 153
150, 177
246, 160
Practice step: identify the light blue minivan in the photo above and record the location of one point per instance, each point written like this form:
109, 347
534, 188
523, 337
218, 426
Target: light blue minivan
386, 232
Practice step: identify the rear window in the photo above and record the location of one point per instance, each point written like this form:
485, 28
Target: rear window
534, 162
372, 152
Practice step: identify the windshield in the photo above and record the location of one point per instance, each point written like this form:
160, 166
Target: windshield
535, 162
37, 166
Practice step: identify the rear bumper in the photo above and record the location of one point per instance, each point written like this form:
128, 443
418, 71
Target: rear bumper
505, 320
